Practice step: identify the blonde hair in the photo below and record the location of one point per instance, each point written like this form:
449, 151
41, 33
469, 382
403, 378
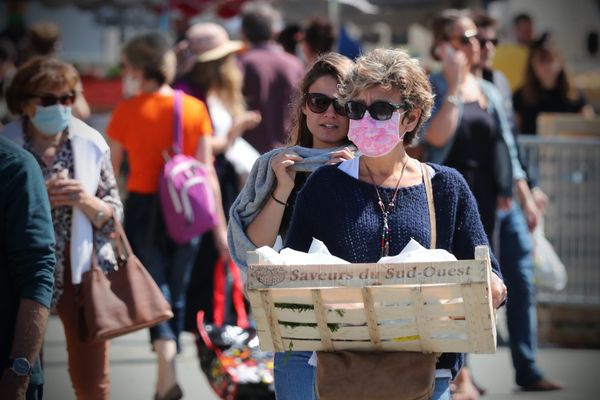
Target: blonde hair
224, 78
152, 54
392, 70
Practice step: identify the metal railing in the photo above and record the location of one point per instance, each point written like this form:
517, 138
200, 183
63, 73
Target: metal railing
568, 170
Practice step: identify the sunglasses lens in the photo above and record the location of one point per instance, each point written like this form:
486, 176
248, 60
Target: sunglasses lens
465, 40
318, 103
339, 108
355, 110
484, 42
381, 110
47, 100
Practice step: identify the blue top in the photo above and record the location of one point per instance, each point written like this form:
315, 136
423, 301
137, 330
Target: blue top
26, 242
342, 212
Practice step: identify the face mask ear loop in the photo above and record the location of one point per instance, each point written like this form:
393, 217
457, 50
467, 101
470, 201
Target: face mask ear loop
400, 122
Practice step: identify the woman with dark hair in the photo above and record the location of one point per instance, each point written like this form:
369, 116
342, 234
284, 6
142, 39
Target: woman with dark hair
548, 87
82, 189
318, 136
468, 129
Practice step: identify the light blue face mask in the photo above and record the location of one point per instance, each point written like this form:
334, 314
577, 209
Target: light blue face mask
51, 120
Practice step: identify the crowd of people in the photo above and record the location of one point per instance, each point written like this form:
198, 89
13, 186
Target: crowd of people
298, 142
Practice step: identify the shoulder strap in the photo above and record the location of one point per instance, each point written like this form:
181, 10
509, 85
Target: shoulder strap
431, 206
177, 122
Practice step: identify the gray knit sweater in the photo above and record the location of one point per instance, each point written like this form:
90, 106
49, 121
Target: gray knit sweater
255, 193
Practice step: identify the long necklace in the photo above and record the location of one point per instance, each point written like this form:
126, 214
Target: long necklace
386, 210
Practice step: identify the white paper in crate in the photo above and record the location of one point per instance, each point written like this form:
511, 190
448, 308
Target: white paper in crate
414, 252
319, 254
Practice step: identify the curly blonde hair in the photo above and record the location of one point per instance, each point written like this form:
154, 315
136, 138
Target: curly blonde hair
393, 70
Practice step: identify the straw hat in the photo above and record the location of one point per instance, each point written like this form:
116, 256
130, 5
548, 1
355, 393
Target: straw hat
211, 42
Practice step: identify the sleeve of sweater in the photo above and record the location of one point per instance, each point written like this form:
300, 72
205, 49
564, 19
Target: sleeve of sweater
246, 207
469, 231
27, 230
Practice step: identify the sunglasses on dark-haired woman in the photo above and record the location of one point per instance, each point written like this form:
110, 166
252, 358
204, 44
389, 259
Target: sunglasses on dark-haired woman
319, 103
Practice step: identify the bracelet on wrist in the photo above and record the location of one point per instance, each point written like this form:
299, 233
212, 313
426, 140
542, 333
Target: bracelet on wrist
283, 203
454, 100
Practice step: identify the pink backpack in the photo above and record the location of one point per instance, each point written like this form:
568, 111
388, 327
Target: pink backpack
186, 197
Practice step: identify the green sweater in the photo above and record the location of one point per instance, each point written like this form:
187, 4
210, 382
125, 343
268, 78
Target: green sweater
26, 241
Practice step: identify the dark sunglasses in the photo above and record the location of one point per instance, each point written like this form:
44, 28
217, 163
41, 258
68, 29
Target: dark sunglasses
319, 103
379, 110
465, 38
484, 41
50, 99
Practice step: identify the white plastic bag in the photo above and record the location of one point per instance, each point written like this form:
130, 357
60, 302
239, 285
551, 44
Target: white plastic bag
548, 270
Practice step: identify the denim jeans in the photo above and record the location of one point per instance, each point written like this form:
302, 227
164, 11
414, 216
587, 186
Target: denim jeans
441, 391
516, 262
295, 379
170, 264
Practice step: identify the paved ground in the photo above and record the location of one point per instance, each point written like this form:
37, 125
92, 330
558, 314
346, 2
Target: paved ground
133, 371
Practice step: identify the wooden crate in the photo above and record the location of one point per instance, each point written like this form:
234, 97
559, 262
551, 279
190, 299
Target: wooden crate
426, 306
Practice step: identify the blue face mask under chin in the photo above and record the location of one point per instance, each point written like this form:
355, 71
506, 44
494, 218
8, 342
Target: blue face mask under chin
51, 120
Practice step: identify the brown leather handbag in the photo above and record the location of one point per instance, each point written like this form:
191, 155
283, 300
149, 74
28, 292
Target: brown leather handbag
121, 301
348, 375
362, 375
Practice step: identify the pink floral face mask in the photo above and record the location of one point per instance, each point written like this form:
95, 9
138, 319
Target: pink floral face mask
375, 138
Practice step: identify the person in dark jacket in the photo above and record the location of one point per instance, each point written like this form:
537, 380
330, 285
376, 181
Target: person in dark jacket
26, 271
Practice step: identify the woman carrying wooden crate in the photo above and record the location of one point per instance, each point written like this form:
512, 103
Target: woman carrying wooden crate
371, 206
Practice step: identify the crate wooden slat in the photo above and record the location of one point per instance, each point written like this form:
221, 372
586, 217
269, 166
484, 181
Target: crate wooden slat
425, 306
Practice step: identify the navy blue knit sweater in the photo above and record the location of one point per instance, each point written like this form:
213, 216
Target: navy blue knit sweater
342, 212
